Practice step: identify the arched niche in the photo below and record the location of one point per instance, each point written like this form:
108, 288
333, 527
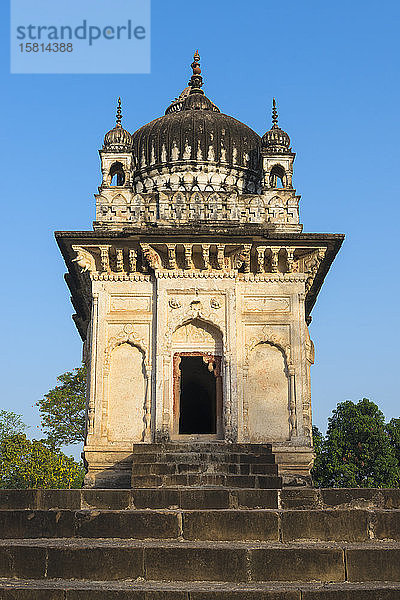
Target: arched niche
267, 394
126, 394
116, 175
277, 177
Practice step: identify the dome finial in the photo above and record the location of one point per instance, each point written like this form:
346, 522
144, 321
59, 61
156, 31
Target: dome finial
274, 114
196, 80
276, 141
119, 113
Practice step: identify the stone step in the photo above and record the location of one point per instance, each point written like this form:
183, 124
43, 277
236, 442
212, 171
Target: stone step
202, 457
208, 468
215, 479
11, 589
348, 525
213, 447
115, 560
108, 499
217, 498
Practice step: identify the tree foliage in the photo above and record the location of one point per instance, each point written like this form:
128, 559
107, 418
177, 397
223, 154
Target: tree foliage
359, 449
62, 409
393, 429
10, 424
32, 464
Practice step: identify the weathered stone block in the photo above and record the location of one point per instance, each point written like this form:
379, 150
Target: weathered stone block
231, 525
31, 594
106, 499
203, 498
352, 496
391, 498
36, 524
264, 469
241, 481
61, 499
105, 595
256, 498
297, 564
131, 594
386, 524
24, 562
373, 564
155, 498
18, 499
127, 524
146, 481
195, 564
267, 482
325, 525
246, 595
361, 592
95, 563
299, 498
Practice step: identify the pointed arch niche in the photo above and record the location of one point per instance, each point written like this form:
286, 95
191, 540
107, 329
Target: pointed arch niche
266, 397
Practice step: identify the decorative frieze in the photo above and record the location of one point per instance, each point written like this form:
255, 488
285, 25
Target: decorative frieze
247, 262
279, 209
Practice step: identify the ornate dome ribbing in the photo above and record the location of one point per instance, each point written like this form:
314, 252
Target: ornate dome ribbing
193, 134
276, 141
118, 139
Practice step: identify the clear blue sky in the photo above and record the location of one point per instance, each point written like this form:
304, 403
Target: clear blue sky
334, 69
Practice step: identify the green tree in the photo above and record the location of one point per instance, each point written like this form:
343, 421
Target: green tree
393, 430
318, 471
62, 409
32, 464
357, 450
10, 424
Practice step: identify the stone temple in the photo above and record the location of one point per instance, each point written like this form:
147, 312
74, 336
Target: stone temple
193, 295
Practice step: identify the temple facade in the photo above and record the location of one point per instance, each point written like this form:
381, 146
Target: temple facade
193, 292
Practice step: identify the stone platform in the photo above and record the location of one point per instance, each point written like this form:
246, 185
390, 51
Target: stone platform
205, 465
200, 544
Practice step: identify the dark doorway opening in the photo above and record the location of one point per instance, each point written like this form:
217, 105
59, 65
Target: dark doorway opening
198, 395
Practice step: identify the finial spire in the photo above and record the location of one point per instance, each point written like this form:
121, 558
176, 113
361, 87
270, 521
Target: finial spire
274, 114
196, 80
119, 113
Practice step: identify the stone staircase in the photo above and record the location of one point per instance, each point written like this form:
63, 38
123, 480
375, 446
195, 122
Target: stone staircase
204, 465
193, 543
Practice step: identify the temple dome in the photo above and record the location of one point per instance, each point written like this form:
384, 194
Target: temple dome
118, 139
195, 137
196, 132
276, 141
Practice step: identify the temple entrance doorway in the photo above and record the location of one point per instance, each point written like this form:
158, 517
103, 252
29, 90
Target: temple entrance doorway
197, 395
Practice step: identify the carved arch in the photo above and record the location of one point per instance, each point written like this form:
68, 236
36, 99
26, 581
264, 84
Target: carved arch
188, 317
268, 336
126, 337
